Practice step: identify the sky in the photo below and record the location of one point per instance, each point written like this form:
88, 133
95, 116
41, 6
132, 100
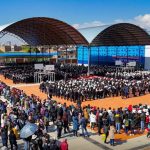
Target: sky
78, 13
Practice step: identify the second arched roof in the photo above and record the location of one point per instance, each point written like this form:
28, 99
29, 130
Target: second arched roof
122, 34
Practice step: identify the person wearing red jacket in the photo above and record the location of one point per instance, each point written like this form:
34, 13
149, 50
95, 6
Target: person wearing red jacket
147, 118
64, 145
130, 108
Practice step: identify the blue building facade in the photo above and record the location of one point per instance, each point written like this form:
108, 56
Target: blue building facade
107, 55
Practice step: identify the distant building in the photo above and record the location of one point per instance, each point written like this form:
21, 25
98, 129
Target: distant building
63, 55
17, 48
9, 48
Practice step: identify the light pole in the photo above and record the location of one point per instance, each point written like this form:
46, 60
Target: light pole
89, 53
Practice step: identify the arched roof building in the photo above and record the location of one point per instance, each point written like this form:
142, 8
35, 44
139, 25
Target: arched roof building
122, 34
45, 31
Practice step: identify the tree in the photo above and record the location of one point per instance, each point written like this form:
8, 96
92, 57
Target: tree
1, 51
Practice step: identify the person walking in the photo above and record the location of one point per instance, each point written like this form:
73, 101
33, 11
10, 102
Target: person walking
12, 140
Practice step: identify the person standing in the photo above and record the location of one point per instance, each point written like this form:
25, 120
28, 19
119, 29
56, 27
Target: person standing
112, 134
105, 128
64, 145
118, 122
92, 120
83, 124
59, 125
142, 121
126, 124
4, 136
65, 122
100, 123
12, 140
75, 125
86, 114
27, 143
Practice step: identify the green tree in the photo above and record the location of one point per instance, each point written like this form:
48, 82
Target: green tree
1, 51
28, 49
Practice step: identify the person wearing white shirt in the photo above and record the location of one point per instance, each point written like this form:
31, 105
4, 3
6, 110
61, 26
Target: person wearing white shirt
92, 120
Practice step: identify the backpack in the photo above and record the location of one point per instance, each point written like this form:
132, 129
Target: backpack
105, 129
53, 145
59, 124
126, 123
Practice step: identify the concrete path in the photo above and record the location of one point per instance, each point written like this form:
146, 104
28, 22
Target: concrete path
94, 142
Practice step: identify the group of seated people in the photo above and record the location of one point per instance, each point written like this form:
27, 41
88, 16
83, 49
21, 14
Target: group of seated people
24, 73
20, 74
137, 75
96, 88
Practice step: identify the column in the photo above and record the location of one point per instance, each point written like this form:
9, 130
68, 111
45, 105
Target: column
89, 53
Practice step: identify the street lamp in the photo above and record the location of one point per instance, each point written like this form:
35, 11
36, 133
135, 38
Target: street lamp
89, 49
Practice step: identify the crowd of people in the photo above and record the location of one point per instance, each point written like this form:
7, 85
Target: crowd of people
24, 109
20, 74
19, 110
136, 75
24, 73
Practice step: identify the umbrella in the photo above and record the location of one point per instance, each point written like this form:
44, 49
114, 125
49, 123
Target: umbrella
28, 130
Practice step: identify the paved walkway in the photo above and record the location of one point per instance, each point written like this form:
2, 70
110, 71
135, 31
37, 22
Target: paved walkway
94, 142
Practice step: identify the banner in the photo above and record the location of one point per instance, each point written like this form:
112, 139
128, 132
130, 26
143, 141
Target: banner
49, 67
131, 64
118, 63
39, 66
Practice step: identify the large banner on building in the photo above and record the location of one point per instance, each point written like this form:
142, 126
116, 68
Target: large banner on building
107, 55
